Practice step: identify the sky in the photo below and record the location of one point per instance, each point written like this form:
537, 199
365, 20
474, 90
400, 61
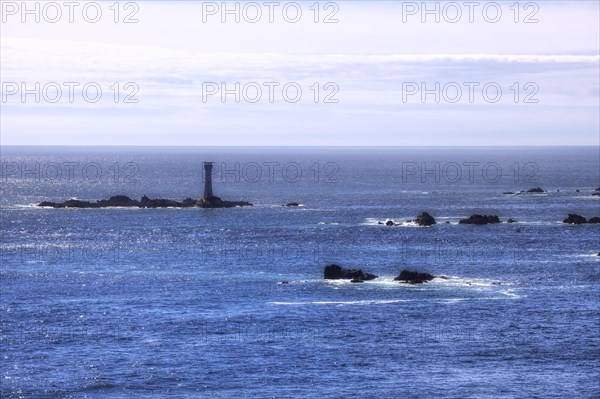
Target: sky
344, 73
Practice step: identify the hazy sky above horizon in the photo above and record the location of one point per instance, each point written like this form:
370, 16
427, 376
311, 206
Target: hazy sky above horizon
506, 82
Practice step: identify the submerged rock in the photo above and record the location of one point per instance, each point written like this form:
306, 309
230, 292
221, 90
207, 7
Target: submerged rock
574, 219
409, 277
511, 220
336, 272
480, 219
425, 219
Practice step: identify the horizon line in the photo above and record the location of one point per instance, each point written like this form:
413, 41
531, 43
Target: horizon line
301, 146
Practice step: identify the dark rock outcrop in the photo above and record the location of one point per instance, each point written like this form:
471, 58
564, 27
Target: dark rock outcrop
336, 272
47, 204
575, 219
216, 202
189, 202
164, 203
425, 219
536, 190
118, 200
480, 219
511, 220
594, 220
409, 277
390, 223
73, 203
292, 204
145, 202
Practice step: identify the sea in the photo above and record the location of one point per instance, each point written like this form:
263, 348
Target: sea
231, 303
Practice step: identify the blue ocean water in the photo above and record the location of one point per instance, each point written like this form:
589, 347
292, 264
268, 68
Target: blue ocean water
191, 303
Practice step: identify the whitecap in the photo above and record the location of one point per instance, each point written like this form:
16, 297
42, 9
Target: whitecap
511, 294
357, 302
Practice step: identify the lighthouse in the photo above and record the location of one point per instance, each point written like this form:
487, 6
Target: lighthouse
208, 192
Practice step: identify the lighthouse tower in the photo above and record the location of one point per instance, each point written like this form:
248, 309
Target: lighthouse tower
208, 192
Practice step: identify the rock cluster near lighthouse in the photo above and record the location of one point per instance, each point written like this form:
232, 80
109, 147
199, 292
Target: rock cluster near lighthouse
209, 200
145, 202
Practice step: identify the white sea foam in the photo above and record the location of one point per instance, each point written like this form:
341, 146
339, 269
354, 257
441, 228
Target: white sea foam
511, 294
399, 222
437, 283
29, 206
593, 256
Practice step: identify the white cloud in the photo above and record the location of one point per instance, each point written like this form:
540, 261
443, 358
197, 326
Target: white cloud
369, 54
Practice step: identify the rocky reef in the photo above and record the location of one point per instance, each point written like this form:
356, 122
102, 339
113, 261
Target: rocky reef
336, 272
425, 219
216, 202
573, 218
145, 202
480, 219
536, 190
410, 277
